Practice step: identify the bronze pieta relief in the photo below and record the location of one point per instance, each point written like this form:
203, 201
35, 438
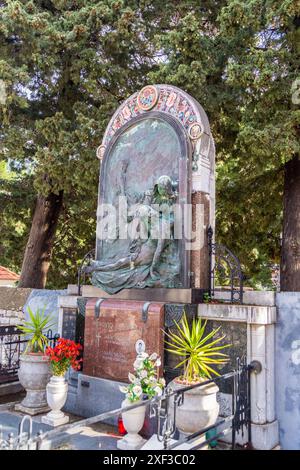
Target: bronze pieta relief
144, 188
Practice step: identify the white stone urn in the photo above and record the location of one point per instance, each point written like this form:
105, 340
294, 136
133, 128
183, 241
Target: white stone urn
34, 374
133, 421
57, 391
199, 409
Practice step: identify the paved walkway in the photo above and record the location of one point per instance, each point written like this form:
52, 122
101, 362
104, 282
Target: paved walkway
94, 437
98, 436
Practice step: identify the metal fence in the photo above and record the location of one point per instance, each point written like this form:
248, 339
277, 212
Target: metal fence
164, 408
12, 345
225, 271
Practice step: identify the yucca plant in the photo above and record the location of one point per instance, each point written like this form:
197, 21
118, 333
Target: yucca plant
199, 353
35, 328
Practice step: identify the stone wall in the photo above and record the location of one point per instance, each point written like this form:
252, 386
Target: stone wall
288, 369
286, 356
48, 299
12, 301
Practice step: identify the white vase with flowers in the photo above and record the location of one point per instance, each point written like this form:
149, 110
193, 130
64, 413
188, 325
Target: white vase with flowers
144, 384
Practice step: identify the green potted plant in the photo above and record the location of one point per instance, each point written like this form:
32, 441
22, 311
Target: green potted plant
34, 372
199, 352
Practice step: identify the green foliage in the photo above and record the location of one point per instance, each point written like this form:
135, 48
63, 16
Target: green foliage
206, 298
35, 328
240, 59
68, 65
16, 200
199, 354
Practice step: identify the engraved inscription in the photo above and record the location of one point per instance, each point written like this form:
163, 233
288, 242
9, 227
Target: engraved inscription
110, 340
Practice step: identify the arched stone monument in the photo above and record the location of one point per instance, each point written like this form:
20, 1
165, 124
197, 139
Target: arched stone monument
156, 188
157, 150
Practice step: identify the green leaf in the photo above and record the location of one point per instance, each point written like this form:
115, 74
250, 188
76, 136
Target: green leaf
199, 351
35, 329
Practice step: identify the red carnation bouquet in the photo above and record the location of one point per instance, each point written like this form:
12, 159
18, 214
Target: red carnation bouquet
64, 355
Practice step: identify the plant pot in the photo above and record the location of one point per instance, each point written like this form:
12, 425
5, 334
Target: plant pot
57, 391
34, 374
199, 409
133, 421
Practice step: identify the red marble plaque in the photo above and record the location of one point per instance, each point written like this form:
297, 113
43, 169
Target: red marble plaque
109, 341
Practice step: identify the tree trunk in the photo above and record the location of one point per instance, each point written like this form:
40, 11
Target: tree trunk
290, 251
38, 250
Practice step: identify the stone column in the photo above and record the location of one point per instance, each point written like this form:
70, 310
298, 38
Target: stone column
200, 257
288, 369
203, 197
261, 347
260, 320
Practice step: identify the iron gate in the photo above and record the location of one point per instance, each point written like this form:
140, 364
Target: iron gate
12, 345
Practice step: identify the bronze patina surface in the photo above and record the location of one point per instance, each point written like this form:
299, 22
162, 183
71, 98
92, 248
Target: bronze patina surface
146, 164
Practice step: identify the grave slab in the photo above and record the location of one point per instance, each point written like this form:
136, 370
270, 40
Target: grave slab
110, 337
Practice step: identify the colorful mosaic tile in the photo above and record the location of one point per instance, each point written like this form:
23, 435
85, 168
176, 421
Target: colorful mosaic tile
157, 98
147, 98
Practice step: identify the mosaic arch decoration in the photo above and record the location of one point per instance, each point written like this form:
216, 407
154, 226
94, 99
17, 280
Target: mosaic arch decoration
147, 98
166, 99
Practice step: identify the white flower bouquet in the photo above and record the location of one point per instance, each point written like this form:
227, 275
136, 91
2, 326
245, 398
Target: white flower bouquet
145, 383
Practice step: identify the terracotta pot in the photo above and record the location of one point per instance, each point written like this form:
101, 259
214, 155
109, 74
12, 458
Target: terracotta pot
34, 374
199, 409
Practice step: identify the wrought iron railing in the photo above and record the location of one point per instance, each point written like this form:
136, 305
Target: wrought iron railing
12, 345
81, 273
239, 421
225, 270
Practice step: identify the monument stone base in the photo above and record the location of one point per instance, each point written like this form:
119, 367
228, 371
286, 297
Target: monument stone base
154, 444
126, 444
31, 411
93, 396
112, 328
55, 419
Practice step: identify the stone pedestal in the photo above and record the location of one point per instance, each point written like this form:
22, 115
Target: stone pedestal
125, 444
55, 419
91, 396
34, 374
31, 410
